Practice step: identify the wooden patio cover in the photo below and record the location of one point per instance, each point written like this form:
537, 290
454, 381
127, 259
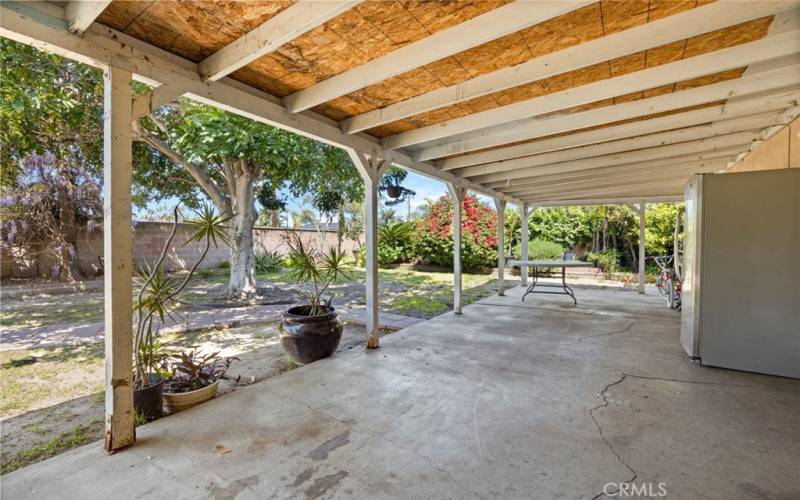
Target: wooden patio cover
544, 102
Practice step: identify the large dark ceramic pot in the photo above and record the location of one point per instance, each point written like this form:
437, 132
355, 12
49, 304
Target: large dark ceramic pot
309, 338
148, 400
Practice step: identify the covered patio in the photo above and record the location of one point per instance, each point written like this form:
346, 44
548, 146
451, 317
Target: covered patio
508, 400
533, 104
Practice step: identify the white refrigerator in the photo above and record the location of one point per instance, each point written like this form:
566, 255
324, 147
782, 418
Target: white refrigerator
741, 290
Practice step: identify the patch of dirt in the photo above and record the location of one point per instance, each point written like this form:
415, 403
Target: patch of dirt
39, 434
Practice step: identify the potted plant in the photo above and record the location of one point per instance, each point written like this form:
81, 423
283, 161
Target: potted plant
194, 379
312, 331
157, 299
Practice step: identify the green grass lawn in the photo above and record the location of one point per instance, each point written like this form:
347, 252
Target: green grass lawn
403, 291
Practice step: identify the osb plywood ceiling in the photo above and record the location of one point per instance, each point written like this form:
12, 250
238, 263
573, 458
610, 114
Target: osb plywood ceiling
196, 29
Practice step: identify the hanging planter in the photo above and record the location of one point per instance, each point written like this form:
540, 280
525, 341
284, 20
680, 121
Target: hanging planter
394, 192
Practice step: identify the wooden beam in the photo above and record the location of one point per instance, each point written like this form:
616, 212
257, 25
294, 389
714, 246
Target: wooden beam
300, 18
101, 46
740, 139
710, 116
746, 124
633, 172
663, 31
148, 102
457, 196
118, 255
700, 159
80, 14
609, 201
784, 44
761, 89
371, 169
494, 24
524, 218
500, 204
611, 182
640, 210
638, 191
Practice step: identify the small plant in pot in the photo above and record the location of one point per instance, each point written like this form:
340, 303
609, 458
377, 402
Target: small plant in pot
194, 378
312, 331
157, 300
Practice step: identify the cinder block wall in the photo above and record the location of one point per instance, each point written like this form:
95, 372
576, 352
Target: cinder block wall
149, 239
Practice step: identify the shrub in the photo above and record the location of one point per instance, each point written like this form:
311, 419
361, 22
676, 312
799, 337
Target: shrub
432, 240
224, 265
541, 250
394, 242
268, 261
608, 261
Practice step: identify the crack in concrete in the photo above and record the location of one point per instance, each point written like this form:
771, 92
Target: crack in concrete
604, 394
607, 334
703, 382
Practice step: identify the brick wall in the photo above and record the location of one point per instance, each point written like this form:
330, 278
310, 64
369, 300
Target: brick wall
149, 239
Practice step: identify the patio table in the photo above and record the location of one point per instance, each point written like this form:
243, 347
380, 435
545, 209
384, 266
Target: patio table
550, 264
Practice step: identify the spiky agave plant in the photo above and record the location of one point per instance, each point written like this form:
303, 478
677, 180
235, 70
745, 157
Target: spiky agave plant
318, 269
158, 293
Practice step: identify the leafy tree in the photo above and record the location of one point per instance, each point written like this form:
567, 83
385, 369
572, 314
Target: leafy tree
660, 227
433, 237
234, 161
50, 155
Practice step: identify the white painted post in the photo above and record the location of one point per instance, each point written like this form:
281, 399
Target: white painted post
118, 255
501, 245
371, 170
524, 217
641, 211
457, 194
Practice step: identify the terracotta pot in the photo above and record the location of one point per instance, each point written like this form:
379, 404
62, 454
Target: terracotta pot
179, 401
309, 338
147, 401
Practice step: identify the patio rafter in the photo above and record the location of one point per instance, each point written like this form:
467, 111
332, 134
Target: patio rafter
772, 78
656, 33
494, 24
698, 132
771, 47
80, 14
296, 20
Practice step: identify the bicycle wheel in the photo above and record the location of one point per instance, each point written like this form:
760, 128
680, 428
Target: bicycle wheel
670, 291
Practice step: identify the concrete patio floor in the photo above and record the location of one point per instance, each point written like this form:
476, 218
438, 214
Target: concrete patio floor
540, 399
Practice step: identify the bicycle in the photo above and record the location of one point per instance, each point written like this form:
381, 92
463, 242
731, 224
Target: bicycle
668, 283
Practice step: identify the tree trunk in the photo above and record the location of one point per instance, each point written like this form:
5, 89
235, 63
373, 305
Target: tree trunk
340, 228
275, 218
67, 253
242, 255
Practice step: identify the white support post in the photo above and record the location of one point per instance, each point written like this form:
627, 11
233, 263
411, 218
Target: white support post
118, 255
525, 212
457, 194
641, 211
501, 245
371, 170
